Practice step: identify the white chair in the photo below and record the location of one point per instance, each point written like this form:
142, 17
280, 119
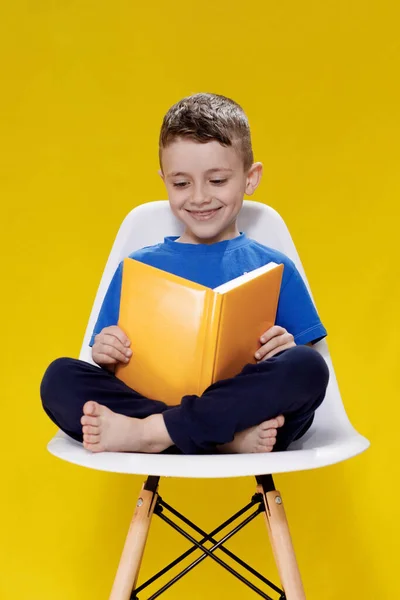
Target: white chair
331, 438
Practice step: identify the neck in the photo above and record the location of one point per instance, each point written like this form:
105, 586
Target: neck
188, 237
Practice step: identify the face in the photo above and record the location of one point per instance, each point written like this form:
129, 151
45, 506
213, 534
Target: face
206, 184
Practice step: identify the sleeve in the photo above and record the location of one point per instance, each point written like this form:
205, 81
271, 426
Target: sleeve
109, 312
296, 311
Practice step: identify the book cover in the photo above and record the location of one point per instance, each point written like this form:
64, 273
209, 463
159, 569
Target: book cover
185, 336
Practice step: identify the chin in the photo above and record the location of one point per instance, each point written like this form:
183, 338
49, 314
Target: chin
209, 236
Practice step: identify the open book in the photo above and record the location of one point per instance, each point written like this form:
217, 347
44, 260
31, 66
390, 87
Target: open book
185, 336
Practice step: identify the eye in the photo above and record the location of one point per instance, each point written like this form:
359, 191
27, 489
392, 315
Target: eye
180, 184
218, 181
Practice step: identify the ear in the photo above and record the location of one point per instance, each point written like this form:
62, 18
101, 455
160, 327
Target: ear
253, 178
161, 174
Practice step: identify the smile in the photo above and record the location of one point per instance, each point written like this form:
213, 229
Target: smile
203, 215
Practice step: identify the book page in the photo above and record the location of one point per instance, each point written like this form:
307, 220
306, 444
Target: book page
233, 283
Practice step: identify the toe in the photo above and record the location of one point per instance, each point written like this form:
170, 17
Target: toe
264, 448
268, 433
90, 408
89, 438
271, 424
92, 447
94, 409
96, 448
267, 444
86, 420
91, 429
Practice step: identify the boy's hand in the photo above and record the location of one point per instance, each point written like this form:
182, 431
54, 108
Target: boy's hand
111, 346
273, 341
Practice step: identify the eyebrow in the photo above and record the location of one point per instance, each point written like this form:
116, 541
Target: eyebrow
214, 170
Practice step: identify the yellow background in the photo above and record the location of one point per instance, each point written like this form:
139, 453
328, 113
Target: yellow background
84, 87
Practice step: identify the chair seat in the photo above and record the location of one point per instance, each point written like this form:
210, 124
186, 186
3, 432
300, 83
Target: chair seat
318, 448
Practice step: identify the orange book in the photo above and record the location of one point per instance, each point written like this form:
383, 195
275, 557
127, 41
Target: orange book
185, 336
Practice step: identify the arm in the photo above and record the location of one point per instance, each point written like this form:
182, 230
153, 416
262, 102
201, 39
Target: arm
296, 312
109, 311
109, 343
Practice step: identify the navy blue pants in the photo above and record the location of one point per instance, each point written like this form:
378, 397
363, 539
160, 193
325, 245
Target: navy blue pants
292, 383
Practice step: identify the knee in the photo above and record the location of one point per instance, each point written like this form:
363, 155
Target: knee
309, 365
54, 380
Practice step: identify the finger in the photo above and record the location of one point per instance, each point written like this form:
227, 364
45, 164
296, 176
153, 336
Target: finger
103, 359
279, 349
268, 347
283, 336
280, 340
111, 340
119, 334
113, 352
271, 333
114, 335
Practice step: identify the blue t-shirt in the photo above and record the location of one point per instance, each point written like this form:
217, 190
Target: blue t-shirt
214, 264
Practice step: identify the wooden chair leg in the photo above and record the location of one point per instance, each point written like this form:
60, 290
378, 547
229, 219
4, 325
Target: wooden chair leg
281, 541
132, 554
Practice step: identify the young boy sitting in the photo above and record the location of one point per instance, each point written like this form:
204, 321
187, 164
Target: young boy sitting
207, 166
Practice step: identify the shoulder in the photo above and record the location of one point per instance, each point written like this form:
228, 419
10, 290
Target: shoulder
159, 255
272, 255
145, 252
270, 252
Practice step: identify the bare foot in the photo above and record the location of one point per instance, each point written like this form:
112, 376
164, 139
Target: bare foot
106, 431
261, 438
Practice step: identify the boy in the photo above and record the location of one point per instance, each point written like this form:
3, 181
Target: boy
207, 166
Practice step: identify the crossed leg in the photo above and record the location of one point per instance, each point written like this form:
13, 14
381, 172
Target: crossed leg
106, 431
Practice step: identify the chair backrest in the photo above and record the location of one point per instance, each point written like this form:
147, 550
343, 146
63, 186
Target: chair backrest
149, 223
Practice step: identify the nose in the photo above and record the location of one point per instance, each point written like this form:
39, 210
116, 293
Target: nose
200, 196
